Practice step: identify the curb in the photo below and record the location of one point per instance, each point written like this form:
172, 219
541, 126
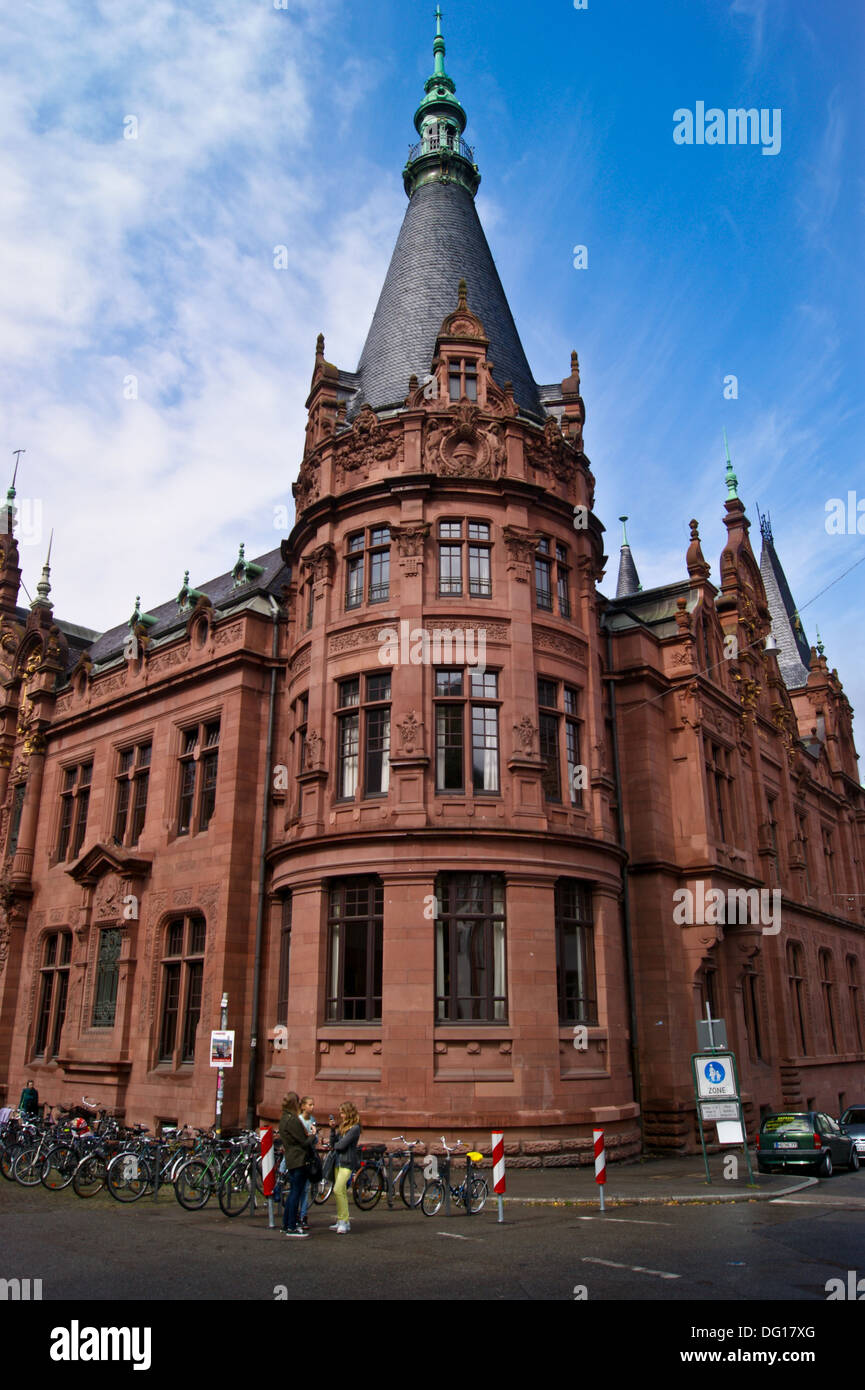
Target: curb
690, 1198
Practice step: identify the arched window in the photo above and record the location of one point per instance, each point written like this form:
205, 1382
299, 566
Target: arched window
53, 989
751, 1005
798, 995
827, 988
182, 976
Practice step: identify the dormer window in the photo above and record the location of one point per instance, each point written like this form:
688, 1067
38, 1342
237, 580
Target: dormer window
462, 379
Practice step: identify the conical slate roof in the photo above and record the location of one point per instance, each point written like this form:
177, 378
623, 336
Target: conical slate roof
629, 580
794, 653
441, 242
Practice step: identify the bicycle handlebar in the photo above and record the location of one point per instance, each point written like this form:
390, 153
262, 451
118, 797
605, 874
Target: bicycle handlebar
451, 1148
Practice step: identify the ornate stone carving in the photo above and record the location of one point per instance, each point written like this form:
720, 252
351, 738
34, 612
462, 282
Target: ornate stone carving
320, 563
551, 452
409, 730
461, 446
314, 750
208, 897
307, 489
107, 900
520, 545
226, 635
5, 933
300, 661
410, 539
355, 637
525, 734
547, 640
690, 705
367, 443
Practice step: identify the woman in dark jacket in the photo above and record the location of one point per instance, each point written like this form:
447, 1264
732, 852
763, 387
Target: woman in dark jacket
347, 1161
296, 1147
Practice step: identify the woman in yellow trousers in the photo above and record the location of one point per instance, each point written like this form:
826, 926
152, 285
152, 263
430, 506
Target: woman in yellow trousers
347, 1160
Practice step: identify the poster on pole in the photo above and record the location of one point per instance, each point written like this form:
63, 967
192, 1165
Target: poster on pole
222, 1048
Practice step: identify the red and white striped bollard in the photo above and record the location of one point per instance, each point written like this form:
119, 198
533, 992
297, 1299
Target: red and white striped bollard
600, 1162
268, 1176
499, 1170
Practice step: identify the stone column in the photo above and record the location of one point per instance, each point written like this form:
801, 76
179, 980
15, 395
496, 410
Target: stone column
408, 997
22, 863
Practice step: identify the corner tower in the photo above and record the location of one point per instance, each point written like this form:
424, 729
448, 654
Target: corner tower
441, 242
448, 856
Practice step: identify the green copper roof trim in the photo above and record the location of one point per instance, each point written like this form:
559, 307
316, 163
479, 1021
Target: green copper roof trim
441, 155
731, 479
138, 617
188, 596
623, 519
245, 570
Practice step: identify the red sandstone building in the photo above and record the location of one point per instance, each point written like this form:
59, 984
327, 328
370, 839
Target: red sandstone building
416, 795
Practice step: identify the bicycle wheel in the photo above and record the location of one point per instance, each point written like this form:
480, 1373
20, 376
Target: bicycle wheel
234, 1193
432, 1196
7, 1161
479, 1192
27, 1168
89, 1176
404, 1188
323, 1190
368, 1186
128, 1177
58, 1167
193, 1185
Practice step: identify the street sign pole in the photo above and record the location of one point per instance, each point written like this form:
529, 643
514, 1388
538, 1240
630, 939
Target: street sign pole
220, 1071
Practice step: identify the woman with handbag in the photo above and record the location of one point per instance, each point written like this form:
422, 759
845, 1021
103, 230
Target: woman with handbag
296, 1146
347, 1161
313, 1166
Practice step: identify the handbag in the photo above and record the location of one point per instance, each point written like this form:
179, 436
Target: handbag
314, 1167
328, 1166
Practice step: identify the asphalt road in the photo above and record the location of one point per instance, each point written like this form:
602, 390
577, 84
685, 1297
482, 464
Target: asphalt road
753, 1251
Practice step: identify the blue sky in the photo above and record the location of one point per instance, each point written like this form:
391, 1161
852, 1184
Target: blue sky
152, 258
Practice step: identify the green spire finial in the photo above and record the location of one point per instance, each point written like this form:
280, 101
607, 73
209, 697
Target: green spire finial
820, 647
43, 588
623, 519
442, 156
731, 479
439, 46
245, 570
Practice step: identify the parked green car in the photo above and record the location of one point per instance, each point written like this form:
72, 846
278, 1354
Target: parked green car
807, 1139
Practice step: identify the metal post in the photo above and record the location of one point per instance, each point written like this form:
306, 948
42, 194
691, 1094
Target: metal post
703, 1142
389, 1178
220, 1071
411, 1177
446, 1178
468, 1186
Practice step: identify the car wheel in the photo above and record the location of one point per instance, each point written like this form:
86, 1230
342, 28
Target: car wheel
853, 1165
824, 1168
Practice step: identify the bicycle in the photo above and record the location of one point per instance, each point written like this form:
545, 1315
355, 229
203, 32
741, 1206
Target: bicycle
434, 1189
371, 1178
143, 1165
236, 1185
199, 1176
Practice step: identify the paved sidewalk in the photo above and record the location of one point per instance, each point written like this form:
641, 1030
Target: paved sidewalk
651, 1180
